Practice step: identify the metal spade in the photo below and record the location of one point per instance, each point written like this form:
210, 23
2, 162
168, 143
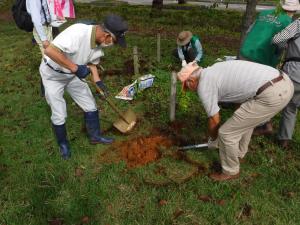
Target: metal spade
205, 145
127, 120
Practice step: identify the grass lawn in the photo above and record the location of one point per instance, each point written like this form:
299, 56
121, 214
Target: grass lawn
96, 186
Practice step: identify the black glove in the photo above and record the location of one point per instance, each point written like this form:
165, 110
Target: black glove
103, 88
82, 71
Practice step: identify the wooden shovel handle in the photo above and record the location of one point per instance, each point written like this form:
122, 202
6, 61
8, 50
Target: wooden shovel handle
112, 104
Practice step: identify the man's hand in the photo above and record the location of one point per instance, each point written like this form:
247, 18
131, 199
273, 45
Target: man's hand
213, 144
82, 71
45, 44
183, 63
103, 88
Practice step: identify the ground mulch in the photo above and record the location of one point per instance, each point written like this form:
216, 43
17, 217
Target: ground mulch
6, 16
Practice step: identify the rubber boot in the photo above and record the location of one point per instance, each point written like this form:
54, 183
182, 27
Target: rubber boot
61, 137
93, 129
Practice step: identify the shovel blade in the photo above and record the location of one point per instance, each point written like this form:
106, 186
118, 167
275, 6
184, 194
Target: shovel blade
124, 126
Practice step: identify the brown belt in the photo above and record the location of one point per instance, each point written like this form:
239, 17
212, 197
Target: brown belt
269, 83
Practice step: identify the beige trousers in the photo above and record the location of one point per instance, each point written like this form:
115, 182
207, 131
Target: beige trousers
235, 133
48, 32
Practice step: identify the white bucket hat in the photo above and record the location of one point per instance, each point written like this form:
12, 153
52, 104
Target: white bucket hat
291, 5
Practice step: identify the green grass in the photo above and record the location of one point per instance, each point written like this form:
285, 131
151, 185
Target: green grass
36, 186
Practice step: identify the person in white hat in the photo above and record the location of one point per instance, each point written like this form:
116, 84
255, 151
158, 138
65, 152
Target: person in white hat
261, 91
189, 48
69, 59
258, 47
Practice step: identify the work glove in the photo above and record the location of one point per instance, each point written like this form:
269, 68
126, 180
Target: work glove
103, 88
213, 144
197, 62
183, 63
82, 71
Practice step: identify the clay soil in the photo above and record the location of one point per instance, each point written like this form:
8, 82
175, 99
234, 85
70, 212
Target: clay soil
137, 152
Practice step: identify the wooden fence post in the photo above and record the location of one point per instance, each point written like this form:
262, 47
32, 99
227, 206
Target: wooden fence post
173, 96
135, 61
158, 47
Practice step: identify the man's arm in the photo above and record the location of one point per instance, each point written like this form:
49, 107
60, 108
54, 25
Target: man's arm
213, 125
286, 34
35, 12
199, 51
57, 56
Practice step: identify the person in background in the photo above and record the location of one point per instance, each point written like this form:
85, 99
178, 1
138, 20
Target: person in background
258, 47
289, 38
42, 29
60, 10
189, 48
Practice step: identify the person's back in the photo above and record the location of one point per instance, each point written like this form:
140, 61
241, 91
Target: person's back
233, 81
257, 46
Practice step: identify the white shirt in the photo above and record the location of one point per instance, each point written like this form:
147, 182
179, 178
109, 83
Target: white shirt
78, 44
233, 81
35, 9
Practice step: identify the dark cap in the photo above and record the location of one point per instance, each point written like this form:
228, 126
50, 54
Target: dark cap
117, 26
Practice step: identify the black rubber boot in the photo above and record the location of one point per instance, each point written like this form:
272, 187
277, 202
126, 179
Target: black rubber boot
93, 129
61, 137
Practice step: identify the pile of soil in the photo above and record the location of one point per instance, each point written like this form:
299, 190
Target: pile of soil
143, 150
137, 152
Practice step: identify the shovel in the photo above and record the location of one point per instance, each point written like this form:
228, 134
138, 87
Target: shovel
193, 146
127, 120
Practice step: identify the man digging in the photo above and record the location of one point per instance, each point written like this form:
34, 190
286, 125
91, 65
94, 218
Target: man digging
69, 59
262, 92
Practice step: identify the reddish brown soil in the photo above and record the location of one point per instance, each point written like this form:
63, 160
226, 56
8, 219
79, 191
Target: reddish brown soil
138, 151
141, 151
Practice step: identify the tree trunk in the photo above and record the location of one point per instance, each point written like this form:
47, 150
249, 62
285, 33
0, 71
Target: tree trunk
248, 19
181, 1
157, 4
